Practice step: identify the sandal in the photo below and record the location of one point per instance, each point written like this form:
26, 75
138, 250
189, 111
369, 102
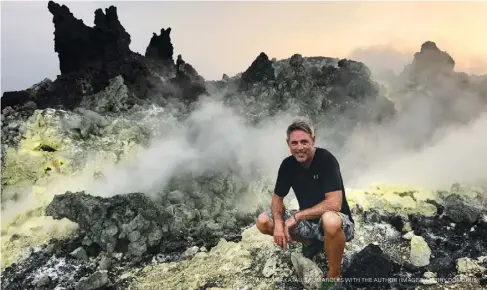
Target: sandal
330, 285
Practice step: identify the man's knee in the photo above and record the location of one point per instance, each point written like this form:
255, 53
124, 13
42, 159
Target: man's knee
331, 222
263, 223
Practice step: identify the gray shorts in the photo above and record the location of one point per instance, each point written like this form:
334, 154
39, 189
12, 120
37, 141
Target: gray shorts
310, 230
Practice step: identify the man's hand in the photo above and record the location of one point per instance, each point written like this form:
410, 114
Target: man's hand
280, 235
289, 225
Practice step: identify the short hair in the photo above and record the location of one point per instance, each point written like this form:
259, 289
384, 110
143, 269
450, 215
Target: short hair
302, 124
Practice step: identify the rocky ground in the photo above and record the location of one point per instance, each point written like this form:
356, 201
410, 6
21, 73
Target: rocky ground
79, 210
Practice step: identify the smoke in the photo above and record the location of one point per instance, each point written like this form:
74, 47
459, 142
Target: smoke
457, 155
437, 138
214, 138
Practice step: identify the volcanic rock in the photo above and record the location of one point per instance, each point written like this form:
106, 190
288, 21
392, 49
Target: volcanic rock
94, 281
307, 271
429, 62
433, 92
79, 45
129, 223
420, 252
368, 265
326, 90
92, 58
461, 211
260, 70
110, 101
160, 46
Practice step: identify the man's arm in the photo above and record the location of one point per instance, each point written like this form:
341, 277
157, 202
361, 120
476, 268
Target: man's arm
332, 202
277, 208
281, 189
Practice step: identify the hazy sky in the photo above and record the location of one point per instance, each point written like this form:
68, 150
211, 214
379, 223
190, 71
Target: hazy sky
219, 37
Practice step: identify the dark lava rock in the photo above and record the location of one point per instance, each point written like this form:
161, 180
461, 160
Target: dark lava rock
442, 264
429, 90
52, 267
373, 216
461, 211
89, 57
130, 223
430, 61
368, 266
138, 226
259, 71
355, 80
397, 221
190, 83
160, 46
445, 239
79, 45
439, 208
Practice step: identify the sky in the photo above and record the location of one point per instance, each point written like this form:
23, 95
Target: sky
225, 37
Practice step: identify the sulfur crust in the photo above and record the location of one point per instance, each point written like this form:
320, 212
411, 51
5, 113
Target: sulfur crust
225, 263
34, 176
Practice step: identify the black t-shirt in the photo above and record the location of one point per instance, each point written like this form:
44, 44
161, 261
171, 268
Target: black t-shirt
311, 184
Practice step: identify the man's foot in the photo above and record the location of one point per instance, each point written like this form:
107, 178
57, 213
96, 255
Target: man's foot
330, 285
309, 251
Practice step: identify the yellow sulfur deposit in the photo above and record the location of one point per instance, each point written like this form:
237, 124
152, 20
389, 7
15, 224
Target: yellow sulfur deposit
31, 228
33, 231
46, 163
225, 263
394, 198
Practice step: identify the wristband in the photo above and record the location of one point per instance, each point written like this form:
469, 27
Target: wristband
294, 216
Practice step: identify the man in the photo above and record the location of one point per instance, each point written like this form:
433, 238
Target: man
324, 219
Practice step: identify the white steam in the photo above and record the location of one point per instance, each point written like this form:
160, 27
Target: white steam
214, 137
459, 156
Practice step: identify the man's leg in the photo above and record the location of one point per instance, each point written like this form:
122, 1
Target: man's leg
334, 242
265, 224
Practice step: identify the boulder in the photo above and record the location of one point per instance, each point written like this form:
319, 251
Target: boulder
160, 46
79, 45
368, 266
260, 70
94, 58
128, 223
420, 252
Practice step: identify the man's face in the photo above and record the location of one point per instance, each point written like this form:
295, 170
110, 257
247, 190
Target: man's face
301, 145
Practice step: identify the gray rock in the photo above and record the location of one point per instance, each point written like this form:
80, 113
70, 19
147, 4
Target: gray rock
43, 280
80, 253
460, 210
137, 248
309, 273
86, 241
105, 227
467, 265
134, 236
104, 263
176, 197
112, 99
408, 235
154, 237
191, 251
270, 267
94, 281
420, 252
